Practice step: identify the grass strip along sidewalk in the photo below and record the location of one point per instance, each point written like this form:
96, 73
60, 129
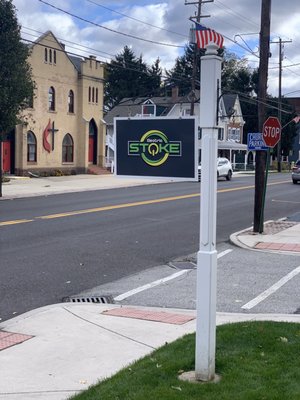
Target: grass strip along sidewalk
256, 361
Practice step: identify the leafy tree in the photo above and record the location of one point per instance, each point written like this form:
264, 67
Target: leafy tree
16, 85
129, 76
237, 77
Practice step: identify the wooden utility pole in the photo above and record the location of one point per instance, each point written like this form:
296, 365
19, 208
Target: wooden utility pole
260, 159
280, 42
197, 17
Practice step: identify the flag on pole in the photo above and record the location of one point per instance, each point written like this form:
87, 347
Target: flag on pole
296, 119
46, 144
205, 35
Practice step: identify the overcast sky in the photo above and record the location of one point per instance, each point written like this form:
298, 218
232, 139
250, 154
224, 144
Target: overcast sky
160, 29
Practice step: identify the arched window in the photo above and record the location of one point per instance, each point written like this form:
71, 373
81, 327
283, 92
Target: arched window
54, 56
67, 149
90, 91
31, 147
97, 95
51, 99
93, 94
50, 56
71, 101
46, 55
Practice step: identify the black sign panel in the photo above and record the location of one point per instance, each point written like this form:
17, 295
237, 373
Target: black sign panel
156, 147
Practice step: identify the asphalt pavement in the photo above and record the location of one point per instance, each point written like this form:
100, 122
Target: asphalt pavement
56, 351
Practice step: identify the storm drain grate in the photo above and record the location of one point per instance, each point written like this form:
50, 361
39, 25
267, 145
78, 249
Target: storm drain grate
182, 265
89, 299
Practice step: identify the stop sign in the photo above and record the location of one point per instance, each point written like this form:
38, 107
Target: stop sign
271, 131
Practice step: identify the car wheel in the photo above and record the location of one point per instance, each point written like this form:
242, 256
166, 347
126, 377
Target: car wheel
229, 175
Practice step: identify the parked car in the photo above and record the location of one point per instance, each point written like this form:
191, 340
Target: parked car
296, 172
224, 169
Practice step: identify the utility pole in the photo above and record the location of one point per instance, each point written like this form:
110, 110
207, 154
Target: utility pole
280, 42
197, 17
260, 160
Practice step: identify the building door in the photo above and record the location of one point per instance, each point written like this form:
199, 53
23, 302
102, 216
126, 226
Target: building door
6, 151
93, 142
91, 149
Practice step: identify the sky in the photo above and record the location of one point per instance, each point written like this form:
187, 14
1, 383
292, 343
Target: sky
160, 29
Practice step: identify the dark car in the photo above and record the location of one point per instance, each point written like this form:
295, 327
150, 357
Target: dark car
296, 172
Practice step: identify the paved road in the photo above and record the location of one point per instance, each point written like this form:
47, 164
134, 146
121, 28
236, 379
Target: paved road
65, 244
243, 275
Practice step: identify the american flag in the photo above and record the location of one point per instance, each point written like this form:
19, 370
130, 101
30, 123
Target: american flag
205, 35
296, 119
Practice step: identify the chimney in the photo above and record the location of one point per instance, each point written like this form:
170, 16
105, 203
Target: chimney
175, 91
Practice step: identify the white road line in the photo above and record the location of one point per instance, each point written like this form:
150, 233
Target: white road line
150, 285
271, 290
159, 281
223, 253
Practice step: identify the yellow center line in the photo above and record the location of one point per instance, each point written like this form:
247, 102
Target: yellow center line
17, 221
118, 206
126, 205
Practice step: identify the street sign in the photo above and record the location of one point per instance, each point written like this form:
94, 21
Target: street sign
271, 131
256, 142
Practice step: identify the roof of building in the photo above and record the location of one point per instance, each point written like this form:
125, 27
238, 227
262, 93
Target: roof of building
76, 61
132, 106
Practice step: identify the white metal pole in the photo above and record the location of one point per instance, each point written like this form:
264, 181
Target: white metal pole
207, 255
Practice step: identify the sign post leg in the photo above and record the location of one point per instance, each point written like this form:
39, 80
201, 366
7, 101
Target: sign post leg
207, 255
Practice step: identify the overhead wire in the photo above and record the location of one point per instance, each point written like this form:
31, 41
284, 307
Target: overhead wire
135, 19
109, 29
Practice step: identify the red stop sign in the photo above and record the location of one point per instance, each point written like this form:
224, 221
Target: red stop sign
271, 131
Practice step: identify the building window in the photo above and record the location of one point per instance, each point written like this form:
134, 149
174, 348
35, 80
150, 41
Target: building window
97, 95
46, 55
51, 99
54, 56
221, 134
67, 148
50, 56
71, 101
93, 94
31, 147
90, 91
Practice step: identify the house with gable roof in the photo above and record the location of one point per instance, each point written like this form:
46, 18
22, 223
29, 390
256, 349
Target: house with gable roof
230, 121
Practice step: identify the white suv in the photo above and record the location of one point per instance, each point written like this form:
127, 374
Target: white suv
224, 169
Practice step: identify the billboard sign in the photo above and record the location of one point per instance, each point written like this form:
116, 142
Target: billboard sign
156, 147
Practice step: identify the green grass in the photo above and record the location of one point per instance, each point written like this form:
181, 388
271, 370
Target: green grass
256, 361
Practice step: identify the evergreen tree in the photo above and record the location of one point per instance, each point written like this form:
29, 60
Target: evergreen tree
129, 76
181, 74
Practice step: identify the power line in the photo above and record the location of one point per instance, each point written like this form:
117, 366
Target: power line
135, 19
179, 78
109, 29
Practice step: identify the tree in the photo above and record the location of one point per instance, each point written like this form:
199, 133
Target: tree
181, 74
237, 77
16, 85
129, 76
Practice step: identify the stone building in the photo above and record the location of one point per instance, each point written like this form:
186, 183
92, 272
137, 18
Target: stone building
62, 130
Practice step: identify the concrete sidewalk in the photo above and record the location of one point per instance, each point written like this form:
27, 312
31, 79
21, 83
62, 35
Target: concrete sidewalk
19, 187
281, 236
54, 352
